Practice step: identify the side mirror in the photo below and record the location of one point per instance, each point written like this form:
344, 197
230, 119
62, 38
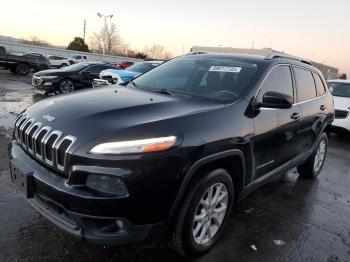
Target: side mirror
276, 100
331, 89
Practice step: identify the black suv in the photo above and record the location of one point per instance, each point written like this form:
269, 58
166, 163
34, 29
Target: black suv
166, 156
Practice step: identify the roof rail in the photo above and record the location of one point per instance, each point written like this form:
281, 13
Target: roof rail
197, 53
276, 56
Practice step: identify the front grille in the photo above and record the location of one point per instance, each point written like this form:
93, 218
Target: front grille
46, 145
108, 78
341, 114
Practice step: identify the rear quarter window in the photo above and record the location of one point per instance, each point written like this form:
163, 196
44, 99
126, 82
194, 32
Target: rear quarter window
321, 90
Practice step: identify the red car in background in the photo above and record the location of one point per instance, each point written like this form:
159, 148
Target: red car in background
124, 64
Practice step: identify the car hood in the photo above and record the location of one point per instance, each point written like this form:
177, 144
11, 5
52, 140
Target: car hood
119, 74
113, 112
50, 72
342, 103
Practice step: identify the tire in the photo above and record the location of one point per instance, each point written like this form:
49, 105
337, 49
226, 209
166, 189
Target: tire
186, 234
22, 69
63, 65
313, 165
66, 86
13, 70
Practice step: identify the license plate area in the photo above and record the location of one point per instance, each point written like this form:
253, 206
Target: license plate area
22, 178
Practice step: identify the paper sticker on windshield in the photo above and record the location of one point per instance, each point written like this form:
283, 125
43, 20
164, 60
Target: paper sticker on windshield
228, 69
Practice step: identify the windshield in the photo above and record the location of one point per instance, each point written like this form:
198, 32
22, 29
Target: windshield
75, 67
141, 67
339, 89
214, 78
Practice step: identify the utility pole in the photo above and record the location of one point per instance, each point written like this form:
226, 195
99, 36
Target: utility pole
84, 29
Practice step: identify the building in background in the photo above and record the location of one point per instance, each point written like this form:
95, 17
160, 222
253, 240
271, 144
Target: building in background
329, 72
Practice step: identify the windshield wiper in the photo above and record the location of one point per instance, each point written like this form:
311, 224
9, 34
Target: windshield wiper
163, 91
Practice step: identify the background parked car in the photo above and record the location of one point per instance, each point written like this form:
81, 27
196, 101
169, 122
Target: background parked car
124, 64
58, 61
118, 76
69, 78
340, 90
78, 59
19, 64
42, 61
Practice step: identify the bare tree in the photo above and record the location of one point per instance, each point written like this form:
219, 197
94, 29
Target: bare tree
157, 52
34, 40
107, 40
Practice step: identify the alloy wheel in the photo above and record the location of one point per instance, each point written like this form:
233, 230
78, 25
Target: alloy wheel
210, 213
66, 86
320, 155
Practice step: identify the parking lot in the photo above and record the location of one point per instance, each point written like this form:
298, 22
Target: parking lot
289, 219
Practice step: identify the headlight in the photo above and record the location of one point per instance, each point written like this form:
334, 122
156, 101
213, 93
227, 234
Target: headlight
135, 146
48, 77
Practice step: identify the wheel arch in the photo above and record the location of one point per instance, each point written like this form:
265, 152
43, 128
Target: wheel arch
231, 160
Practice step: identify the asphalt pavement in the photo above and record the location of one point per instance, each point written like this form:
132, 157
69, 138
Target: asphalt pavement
290, 219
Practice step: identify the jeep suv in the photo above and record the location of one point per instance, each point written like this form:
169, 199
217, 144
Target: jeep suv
167, 156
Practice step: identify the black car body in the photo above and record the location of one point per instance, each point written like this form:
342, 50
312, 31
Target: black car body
121, 165
21, 64
69, 78
42, 62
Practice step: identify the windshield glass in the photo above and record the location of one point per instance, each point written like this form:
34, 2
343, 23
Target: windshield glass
75, 67
339, 89
214, 78
141, 67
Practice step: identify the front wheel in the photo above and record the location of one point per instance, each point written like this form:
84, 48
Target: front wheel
204, 213
66, 86
22, 69
313, 166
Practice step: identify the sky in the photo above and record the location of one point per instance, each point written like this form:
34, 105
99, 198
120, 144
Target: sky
318, 30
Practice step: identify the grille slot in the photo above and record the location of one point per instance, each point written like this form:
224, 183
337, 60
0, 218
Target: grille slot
61, 151
30, 137
48, 147
23, 131
45, 144
341, 114
20, 123
38, 140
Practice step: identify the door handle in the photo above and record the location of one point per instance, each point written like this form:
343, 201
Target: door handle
295, 116
323, 107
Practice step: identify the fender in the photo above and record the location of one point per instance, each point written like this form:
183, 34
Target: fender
203, 161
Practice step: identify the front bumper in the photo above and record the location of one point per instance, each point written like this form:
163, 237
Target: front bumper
341, 123
64, 206
42, 85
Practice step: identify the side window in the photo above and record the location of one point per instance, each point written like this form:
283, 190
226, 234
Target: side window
78, 57
278, 80
305, 84
84, 57
321, 90
95, 69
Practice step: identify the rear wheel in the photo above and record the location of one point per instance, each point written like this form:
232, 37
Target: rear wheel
63, 65
22, 69
66, 86
204, 214
313, 166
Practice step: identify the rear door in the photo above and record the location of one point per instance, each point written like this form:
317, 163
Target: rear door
276, 130
311, 97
